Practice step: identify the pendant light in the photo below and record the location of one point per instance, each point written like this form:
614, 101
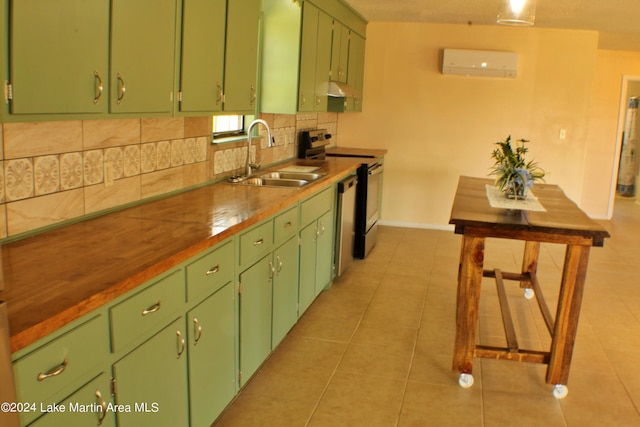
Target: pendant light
519, 13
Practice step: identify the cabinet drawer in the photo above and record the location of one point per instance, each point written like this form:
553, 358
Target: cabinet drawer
314, 207
210, 272
140, 314
285, 225
256, 243
52, 371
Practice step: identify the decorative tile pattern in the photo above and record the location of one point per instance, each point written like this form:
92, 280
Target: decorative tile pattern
70, 171
163, 155
115, 156
148, 157
131, 160
218, 162
93, 167
202, 144
47, 175
189, 151
19, 176
228, 160
177, 152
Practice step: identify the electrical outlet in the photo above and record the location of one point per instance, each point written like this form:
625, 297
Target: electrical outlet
563, 134
108, 174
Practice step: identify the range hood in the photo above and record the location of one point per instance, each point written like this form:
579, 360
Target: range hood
342, 90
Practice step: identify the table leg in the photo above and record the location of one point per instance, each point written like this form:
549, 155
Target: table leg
530, 260
567, 313
467, 303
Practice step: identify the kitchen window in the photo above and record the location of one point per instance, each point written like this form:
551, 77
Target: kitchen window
227, 126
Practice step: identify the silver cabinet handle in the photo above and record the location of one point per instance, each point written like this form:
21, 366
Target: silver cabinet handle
258, 242
122, 87
219, 95
152, 309
253, 95
198, 331
54, 372
303, 99
182, 345
99, 87
287, 224
279, 263
320, 231
272, 270
213, 270
103, 404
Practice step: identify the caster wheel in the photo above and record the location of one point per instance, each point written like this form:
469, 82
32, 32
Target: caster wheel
528, 293
560, 391
465, 380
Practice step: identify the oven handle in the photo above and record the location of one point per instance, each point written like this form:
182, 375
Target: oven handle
375, 170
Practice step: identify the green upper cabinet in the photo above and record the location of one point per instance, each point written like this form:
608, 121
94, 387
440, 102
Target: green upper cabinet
308, 50
241, 57
304, 47
202, 55
59, 53
143, 36
339, 52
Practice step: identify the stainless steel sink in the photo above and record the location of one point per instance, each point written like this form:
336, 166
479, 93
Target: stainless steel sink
273, 182
307, 176
278, 179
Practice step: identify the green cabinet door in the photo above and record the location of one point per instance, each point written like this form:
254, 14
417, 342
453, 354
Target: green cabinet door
355, 74
307, 281
59, 56
154, 376
307, 81
85, 407
241, 57
202, 55
285, 290
324, 251
323, 60
212, 356
143, 34
339, 52
255, 316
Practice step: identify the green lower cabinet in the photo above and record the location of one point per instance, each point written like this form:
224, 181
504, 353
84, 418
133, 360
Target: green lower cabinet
212, 356
324, 255
285, 290
151, 381
255, 316
307, 282
89, 406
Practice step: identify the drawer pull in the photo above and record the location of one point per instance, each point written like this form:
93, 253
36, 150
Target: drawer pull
182, 345
287, 224
103, 405
55, 371
198, 331
258, 242
213, 270
155, 307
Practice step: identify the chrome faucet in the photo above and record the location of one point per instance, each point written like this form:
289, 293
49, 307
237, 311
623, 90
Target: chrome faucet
248, 165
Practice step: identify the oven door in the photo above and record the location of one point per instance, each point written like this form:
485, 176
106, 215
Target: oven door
7, 388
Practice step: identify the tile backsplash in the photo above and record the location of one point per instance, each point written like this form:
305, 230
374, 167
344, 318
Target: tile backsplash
54, 172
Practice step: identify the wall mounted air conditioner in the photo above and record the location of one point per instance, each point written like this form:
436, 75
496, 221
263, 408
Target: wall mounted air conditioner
485, 63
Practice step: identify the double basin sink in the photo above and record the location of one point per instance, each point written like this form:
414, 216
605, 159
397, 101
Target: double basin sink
278, 179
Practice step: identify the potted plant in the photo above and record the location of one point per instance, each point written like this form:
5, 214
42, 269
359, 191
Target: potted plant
514, 175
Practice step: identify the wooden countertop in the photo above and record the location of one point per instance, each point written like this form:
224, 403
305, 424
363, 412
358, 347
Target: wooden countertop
56, 277
562, 219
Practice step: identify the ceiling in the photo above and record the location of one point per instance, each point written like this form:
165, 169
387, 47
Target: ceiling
617, 21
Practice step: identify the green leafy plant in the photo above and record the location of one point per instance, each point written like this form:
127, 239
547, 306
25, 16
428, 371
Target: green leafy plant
514, 175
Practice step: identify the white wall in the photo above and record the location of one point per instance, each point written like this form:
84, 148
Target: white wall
438, 127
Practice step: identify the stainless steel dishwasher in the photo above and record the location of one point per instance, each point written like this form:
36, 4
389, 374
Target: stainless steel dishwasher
346, 223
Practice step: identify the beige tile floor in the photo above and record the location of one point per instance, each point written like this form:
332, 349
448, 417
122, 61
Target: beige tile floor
376, 349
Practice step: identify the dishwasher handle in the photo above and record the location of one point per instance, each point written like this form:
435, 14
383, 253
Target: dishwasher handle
347, 184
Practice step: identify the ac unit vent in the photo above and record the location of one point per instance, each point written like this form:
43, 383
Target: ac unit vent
484, 63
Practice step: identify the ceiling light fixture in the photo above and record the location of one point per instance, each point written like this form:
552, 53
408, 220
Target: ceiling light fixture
519, 13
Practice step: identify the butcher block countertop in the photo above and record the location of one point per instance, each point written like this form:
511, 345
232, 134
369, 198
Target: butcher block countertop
58, 276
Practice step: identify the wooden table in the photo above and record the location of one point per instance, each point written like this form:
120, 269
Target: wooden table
564, 223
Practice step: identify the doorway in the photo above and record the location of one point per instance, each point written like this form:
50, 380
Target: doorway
630, 88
